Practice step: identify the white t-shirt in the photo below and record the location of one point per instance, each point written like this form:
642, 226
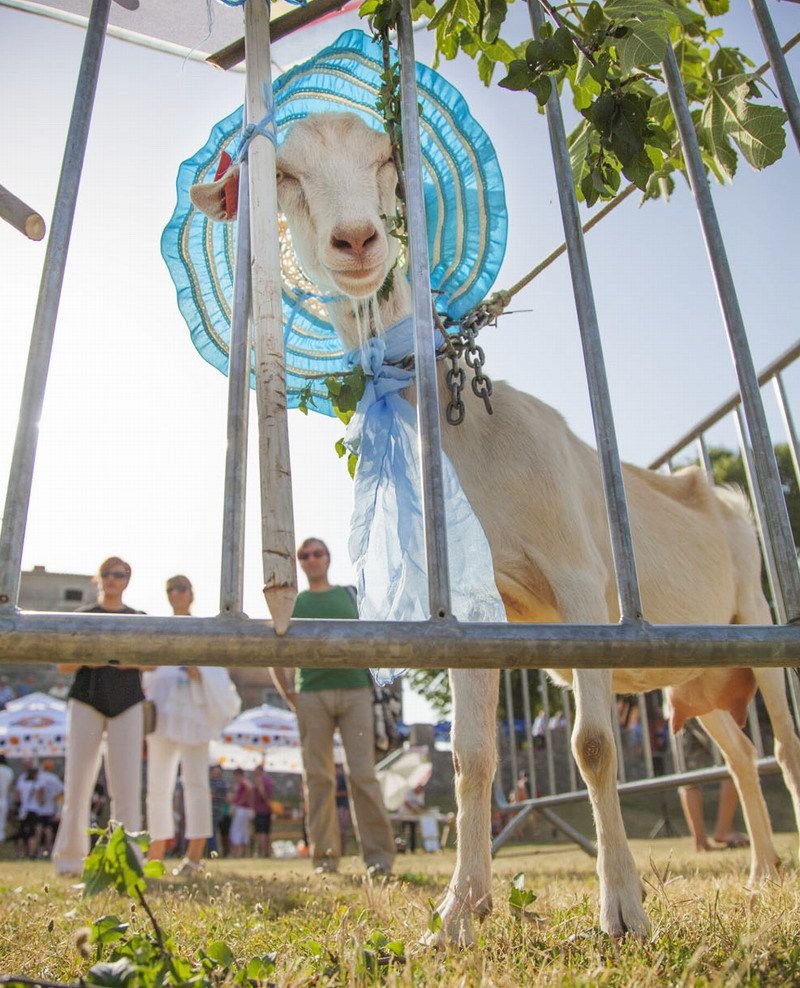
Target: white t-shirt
51, 787
27, 789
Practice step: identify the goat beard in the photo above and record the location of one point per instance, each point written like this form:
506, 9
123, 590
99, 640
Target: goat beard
367, 318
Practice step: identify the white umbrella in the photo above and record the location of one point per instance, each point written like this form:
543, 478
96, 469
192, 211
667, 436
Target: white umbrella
275, 759
33, 726
273, 733
401, 771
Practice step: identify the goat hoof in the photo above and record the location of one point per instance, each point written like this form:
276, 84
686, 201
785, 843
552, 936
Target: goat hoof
622, 914
456, 913
763, 875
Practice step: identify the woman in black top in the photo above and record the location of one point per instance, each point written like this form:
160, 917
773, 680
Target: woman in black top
104, 701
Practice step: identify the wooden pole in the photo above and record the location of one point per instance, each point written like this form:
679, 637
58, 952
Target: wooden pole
20, 216
277, 516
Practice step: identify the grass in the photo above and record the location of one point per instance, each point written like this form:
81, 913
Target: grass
707, 928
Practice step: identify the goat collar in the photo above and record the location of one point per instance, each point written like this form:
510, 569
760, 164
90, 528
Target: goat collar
395, 345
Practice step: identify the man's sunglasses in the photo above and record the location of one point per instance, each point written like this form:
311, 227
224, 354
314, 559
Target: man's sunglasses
316, 553
180, 587
120, 574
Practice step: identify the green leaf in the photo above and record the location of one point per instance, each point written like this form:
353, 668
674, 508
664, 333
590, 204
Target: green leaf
154, 869
340, 447
114, 974
645, 44
220, 953
541, 88
757, 129
486, 69
352, 463
106, 930
713, 8
519, 76
442, 14
435, 922
760, 135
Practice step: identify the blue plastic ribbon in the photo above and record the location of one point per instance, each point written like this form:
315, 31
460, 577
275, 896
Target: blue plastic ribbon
387, 543
265, 126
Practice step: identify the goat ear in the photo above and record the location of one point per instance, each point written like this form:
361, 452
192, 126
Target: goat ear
219, 200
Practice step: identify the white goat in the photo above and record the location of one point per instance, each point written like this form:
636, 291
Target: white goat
537, 491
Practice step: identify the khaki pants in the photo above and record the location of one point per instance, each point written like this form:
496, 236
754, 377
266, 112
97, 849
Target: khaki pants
319, 713
85, 730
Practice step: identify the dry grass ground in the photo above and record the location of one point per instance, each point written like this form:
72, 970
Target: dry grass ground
707, 928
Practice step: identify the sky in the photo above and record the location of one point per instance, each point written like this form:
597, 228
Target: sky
132, 438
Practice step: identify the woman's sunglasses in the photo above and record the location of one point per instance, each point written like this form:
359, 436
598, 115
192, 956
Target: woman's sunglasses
120, 574
316, 553
179, 587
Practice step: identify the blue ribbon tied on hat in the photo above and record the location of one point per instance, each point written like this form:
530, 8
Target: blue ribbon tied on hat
387, 542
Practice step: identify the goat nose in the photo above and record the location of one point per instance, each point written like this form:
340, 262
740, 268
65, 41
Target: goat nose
354, 238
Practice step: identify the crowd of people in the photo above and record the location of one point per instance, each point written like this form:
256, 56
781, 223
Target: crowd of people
150, 731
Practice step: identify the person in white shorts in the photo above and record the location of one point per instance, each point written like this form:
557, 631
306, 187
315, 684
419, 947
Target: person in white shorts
192, 706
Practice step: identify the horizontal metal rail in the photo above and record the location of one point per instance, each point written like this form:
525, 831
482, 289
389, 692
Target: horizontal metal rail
767, 374
233, 54
151, 641
766, 766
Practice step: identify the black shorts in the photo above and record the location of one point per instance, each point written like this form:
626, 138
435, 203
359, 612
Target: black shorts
28, 825
263, 823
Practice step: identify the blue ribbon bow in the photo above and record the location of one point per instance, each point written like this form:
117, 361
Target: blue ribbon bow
387, 543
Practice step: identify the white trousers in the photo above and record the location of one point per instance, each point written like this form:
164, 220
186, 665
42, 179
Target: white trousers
163, 757
124, 735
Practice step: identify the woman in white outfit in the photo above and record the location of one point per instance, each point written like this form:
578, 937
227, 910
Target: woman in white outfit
192, 706
104, 703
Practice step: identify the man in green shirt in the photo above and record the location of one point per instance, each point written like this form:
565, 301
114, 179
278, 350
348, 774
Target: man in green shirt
324, 700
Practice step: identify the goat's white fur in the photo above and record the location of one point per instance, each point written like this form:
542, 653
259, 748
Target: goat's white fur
696, 552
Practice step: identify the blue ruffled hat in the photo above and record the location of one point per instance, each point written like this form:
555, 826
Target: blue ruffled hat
464, 202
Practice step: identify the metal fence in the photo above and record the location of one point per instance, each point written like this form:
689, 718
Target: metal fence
241, 641
649, 756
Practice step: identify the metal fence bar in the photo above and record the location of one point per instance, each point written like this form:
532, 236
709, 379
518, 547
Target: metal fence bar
233, 510
780, 69
705, 458
621, 773
794, 693
134, 639
548, 732
610, 466
512, 734
788, 423
18, 495
275, 473
566, 698
778, 530
765, 766
430, 440
526, 709
781, 362
755, 728
647, 748
758, 505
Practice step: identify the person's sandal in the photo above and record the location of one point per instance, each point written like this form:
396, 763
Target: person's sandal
187, 867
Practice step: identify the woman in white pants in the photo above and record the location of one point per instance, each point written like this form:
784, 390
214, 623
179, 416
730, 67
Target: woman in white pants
192, 706
104, 702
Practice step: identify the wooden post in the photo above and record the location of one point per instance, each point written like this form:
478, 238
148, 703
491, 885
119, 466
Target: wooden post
20, 216
277, 515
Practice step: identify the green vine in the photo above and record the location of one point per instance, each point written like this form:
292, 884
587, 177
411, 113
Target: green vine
610, 55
